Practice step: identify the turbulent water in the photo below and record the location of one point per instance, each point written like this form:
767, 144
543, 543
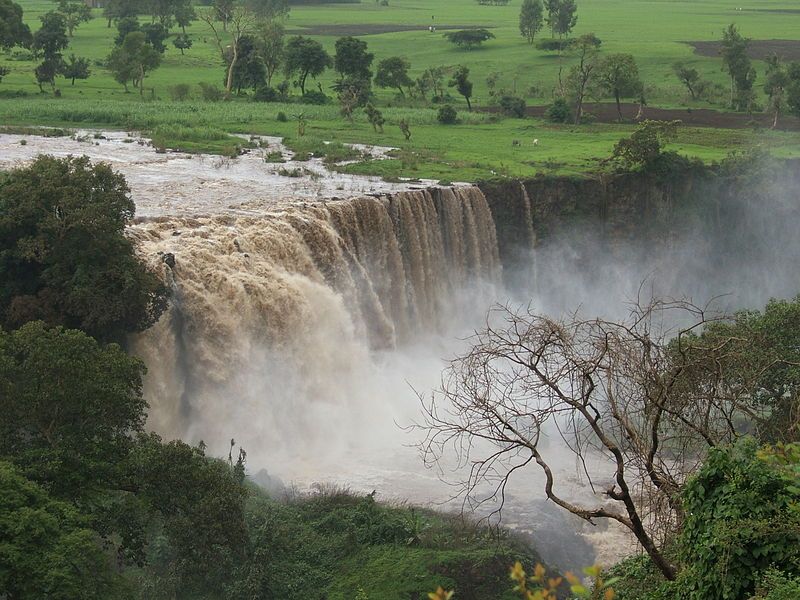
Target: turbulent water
303, 326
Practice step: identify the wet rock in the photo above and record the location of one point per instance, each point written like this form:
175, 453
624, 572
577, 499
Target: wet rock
169, 259
176, 233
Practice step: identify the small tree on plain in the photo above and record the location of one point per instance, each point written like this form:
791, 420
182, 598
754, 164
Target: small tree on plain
531, 19
75, 68
182, 42
461, 82
74, 14
619, 77
583, 76
375, 117
305, 57
392, 72
468, 39
688, 76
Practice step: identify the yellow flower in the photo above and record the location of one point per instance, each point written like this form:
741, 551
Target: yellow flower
440, 594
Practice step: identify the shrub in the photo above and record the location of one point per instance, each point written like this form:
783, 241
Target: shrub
281, 117
553, 45
210, 92
447, 115
558, 111
739, 522
314, 97
180, 92
266, 93
512, 106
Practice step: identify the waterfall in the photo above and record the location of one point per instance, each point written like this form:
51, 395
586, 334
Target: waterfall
276, 319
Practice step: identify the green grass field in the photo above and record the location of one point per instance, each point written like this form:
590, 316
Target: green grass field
653, 31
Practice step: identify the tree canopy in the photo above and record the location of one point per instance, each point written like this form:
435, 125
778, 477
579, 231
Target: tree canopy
13, 30
304, 57
469, 38
64, 257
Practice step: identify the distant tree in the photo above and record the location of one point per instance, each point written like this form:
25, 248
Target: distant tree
552, 7
74, 13
241, 22
223, 11
375, 117
182, 42
51, 38
269, 35
125, 26
447, 115
250, 71
156, 34
531, 19
463, 85
305, 57
352, 92
405, 129
583, 76
432, 80
3, 72
618, 76
793, 88
688, 76
352, 59
566, 17
184, 15
49, 41
64, 255
645, 145
134, 60
13, 31
393, 73
469, 38
269, 9
75, 68
740, 69
114, 10
776, 86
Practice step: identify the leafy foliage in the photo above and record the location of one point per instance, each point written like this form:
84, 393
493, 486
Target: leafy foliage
469, 38
738, 523
13, 31
645, 145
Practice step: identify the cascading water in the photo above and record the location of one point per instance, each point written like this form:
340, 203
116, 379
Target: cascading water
280, 321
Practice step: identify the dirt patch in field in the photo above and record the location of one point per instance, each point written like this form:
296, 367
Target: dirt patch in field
372, 29
695, 117
758, 50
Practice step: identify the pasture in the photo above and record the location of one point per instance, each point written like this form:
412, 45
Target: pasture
656, 32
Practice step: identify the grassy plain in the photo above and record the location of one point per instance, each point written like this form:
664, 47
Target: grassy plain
655, 31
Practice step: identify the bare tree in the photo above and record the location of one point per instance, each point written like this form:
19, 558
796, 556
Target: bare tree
645, 399
241, 21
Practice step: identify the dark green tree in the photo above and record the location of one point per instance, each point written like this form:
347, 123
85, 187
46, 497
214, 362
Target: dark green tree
51, 38
268, 9
269, 37
618, 76
223, 11
463, 85
114, 10
70, 407
375, 118
393, 73
64, 257
184, 14
156, 34
125, 26
688, 76
249, 71
305, 57
47, 551
75, 68
646, 144
133, 60
775, 86
182, 42
739, 67
352, 59
13, 31
469, 38
74, 14
531, 19
566, 17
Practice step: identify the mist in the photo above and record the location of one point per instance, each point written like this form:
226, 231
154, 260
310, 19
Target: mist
309, 334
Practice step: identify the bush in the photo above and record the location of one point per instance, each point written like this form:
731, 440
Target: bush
281, 117
558, 111
210, 92
314, 97
180, 92
447, 115
512, 106
739, 522
553, 45
266, 94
